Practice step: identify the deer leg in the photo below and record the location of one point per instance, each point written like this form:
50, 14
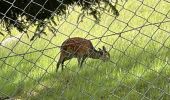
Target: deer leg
79, 61
82, 60
65, 59
60, 61
62, 64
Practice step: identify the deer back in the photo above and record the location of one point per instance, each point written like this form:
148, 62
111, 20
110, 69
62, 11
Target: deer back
77, 46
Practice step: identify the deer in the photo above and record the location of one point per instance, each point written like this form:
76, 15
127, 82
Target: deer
80, 48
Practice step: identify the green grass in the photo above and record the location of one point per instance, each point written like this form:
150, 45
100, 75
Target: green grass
139, 66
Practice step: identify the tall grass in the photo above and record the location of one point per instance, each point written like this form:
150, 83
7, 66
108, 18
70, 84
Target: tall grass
138, 69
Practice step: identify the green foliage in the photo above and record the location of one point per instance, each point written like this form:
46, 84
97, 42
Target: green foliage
23, 13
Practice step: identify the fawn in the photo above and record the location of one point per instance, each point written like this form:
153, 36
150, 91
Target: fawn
81, 49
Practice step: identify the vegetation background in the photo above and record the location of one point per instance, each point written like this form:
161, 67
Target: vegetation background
139, 66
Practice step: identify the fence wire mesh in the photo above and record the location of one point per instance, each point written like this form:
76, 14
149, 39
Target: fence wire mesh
138, 41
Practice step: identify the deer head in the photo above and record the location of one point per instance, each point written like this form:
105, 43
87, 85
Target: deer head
104, 55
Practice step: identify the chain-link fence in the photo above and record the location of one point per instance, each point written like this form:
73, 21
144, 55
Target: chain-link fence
136, 33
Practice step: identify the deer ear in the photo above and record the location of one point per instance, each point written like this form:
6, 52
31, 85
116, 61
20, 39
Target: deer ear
104, 48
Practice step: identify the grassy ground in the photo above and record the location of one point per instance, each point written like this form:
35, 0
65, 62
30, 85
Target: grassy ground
139, 66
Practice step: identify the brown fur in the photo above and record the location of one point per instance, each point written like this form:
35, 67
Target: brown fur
80, 48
